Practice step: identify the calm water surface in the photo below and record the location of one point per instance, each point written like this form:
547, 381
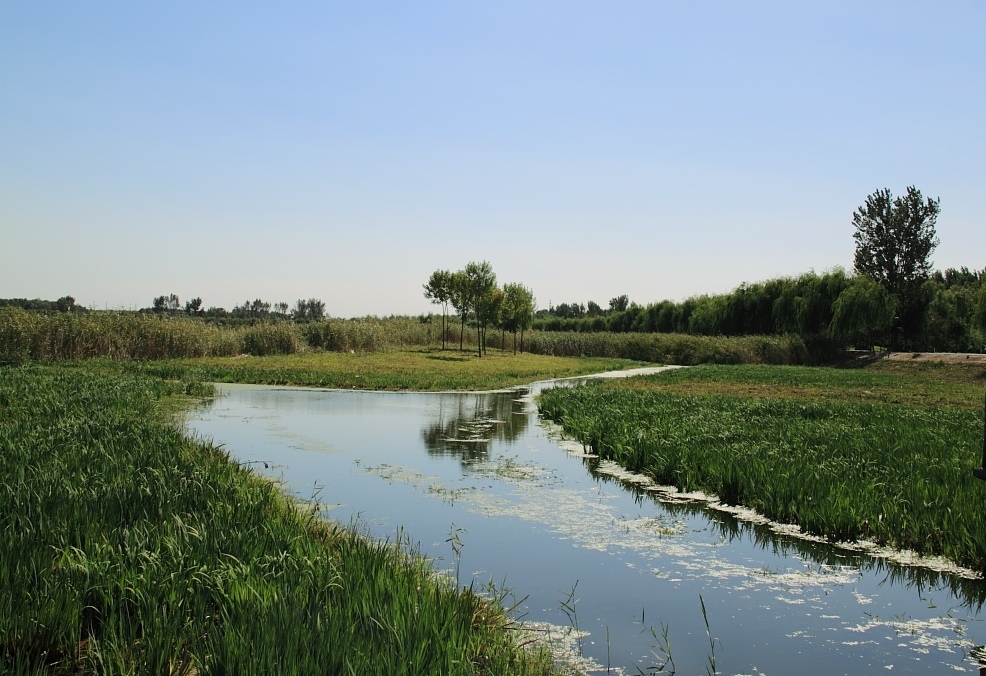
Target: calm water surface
539, 520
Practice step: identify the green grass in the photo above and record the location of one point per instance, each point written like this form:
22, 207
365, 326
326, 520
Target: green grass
126, 547
847, 454
412, 369
887, 382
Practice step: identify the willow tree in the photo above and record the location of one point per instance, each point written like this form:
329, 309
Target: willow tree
895, 237
979, 316
862, 312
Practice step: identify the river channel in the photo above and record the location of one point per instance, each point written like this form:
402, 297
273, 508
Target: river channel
480, 485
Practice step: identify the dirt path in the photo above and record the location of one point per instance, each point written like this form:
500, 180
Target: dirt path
944, 357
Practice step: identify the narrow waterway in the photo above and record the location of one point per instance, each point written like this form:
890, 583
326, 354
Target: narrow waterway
480, 485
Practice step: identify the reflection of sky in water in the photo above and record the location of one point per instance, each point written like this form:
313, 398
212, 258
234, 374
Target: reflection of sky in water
536, 520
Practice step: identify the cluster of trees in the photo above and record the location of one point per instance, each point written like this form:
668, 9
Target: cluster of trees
580, 310
851, 310
303, 310
473, 294
63, 304
892, 299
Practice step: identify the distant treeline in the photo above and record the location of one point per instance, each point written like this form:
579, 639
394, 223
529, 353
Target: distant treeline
304, 310
832, 307
63, 304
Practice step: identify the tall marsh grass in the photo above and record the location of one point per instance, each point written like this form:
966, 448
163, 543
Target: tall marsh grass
671, 348
31, 336
896, 474
126, 547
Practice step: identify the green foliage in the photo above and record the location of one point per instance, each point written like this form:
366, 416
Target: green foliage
619, 304
862, 312
193, 307
28, 336
271, 338
440, 290
672, 348
126, 547
895, 237
980, 308
801, 305
63, 304
312, 309
166, 304
516, 311
896, 474
479, 289
807, 306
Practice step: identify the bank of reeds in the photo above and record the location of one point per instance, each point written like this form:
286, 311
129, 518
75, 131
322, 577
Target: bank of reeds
31, 336
126, 547
895, 474
671, 348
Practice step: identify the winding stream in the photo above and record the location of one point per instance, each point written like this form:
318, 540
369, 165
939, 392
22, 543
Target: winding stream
480, 485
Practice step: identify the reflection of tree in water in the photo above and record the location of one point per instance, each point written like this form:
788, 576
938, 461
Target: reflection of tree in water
970, 593
467, 424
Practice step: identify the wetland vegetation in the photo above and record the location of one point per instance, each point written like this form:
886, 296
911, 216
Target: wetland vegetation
127, 547
28, 336
880, 454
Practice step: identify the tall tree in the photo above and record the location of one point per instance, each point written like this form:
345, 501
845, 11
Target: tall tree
516, 311
169, 304
460, 301
313, 308
439, 291
619, 304
193, 307
480, 284
895, 237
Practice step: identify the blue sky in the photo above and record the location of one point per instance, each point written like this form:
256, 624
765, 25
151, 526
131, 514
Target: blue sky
586, 149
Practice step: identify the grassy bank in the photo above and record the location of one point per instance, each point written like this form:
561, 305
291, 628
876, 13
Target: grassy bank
126, 547
416, 369
883, 453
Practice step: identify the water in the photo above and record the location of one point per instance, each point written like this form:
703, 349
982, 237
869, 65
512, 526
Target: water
478, 484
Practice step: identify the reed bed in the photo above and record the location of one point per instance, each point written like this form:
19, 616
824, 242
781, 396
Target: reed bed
837, 465
126, 547
671, 348
30, 336
27, 336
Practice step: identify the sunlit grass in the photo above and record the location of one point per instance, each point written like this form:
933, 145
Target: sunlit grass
846, 454
413, 369
126, 547
916, 384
